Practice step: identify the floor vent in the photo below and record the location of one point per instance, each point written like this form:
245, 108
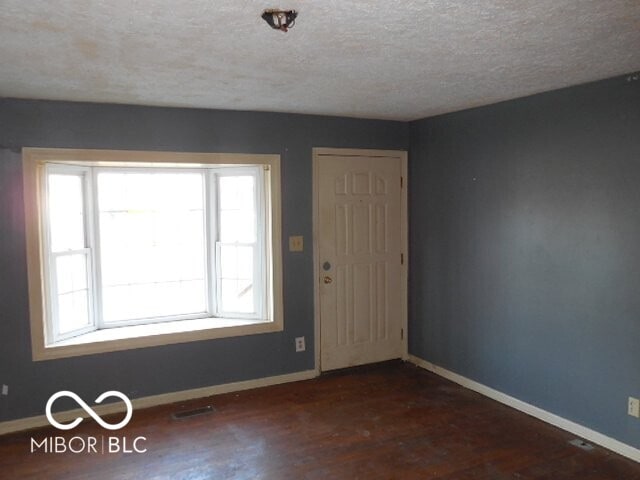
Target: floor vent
578, 442
192, 413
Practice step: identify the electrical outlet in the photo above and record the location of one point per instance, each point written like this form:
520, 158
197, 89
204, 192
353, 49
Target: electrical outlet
5, 389
300, 346
634, 407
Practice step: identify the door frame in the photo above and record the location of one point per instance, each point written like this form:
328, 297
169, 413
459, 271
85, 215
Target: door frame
317, 154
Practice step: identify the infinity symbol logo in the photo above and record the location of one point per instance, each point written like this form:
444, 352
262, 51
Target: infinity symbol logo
89, 410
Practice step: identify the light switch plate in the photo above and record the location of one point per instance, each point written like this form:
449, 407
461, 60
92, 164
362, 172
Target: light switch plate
296, 243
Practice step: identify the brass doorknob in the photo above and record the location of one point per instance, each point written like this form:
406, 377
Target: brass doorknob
327, 280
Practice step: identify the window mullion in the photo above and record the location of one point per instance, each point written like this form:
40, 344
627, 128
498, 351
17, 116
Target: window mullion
260, 252
51, 288
93, 237
212, 240
52, 327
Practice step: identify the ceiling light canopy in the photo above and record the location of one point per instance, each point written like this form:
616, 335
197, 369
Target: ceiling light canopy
280, 19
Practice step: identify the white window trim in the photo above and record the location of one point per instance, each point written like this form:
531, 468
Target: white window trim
95, 241
214, 247
50, 262
139, 336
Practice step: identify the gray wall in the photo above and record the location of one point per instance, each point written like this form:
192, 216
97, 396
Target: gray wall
525, 250
525, 242
157, 370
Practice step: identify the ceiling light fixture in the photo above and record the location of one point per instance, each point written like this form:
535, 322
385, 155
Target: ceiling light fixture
280, 19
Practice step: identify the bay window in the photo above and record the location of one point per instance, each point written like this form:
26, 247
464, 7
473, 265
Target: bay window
131, 248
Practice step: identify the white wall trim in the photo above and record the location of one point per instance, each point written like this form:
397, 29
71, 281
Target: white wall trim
548, 417
155, 400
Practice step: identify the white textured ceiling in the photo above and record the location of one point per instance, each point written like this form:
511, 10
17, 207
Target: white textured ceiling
392, 59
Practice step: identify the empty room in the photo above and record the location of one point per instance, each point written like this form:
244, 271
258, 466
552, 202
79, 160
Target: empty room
320, 239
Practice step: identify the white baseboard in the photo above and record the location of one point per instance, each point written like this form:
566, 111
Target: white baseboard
548, 417
154, 400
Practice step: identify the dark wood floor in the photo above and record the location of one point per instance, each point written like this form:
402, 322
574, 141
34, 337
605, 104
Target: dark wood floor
390, 421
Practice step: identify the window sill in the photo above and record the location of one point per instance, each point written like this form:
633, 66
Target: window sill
141, 336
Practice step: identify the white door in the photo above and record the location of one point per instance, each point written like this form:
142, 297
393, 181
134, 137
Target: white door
359, 253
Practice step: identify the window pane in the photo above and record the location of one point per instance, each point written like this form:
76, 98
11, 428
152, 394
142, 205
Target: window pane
237, 209
71, 273
66, 212
151, 300
72, 293
236, 279
237, 296
152, 244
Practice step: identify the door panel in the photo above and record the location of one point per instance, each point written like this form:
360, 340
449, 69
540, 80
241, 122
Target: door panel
359, 243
